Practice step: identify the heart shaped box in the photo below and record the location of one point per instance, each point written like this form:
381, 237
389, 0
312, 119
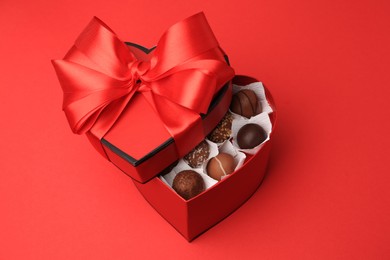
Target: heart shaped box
193, 217
145, 160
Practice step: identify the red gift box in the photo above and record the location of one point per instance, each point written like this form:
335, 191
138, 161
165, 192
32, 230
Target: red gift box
141, 130
143, 108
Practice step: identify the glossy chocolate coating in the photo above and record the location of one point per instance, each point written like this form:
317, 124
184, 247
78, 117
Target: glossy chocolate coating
221, 165
250, 136
245, 103
188, 184
198, 155
223, 130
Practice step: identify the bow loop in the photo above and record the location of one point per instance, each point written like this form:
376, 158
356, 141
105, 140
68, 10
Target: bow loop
100, 49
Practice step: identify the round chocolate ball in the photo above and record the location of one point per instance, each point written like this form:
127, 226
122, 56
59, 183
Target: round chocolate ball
245, 103
223, 130
188, 184
221, 165
250, 136
198, 155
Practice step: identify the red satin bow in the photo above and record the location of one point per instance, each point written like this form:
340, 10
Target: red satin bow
100, 75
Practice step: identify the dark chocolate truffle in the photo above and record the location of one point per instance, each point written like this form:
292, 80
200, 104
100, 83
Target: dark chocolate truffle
250, 136
245, 103
223, 130
198, 155
220, 165
188, 184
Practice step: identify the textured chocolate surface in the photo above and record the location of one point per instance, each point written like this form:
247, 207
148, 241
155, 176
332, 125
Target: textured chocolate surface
188, 184
250, 136
221, 165
198, 155
245, 103
223, 130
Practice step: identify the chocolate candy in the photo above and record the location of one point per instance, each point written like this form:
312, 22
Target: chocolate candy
245, 103
223, 130
198, 155
250, 136
188, 184
221, 165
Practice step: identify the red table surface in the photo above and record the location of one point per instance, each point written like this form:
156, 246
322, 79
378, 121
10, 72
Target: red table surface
327, 191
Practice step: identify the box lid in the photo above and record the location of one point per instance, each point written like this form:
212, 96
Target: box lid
141, 102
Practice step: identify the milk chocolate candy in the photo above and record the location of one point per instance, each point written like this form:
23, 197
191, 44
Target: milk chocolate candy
245, 103
188, 184
223, 130
220, 166
198, 155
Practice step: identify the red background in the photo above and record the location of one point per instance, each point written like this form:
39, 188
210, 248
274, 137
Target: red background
327, 192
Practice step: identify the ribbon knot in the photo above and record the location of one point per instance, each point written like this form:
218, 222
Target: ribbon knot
137, 70
100, 75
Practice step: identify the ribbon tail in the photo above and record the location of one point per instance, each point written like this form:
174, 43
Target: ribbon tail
110, 115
